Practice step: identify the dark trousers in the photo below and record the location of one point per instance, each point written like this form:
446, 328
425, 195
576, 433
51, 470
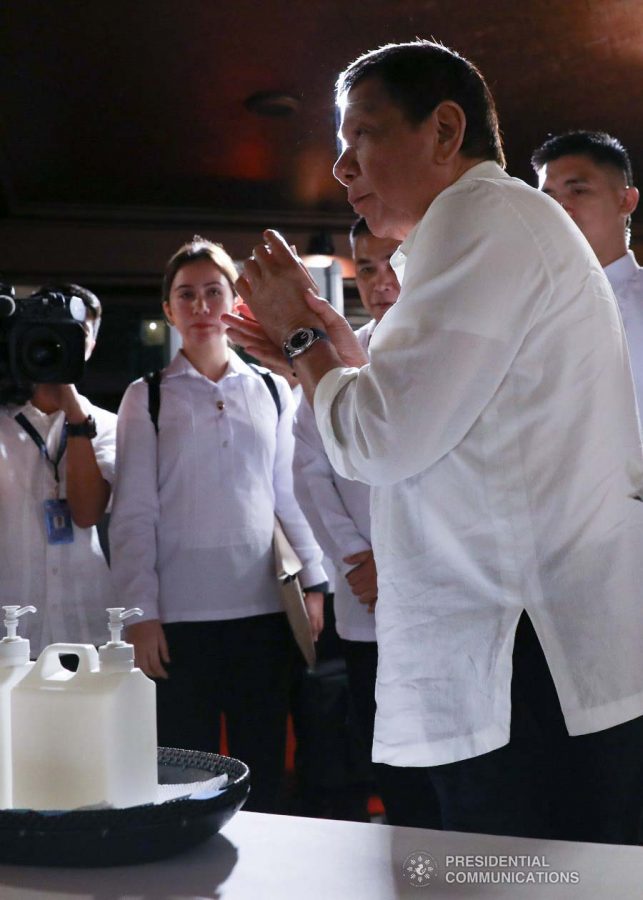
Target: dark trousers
240, 667
544, 783
407, 793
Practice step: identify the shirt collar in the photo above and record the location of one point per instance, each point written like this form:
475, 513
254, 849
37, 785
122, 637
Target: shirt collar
622, 269
486, 169
181, 365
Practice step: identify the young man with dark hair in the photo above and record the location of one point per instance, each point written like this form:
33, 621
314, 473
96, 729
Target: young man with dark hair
499, 511
590, 174
57, 447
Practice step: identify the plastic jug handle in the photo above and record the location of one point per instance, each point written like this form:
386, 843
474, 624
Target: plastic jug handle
48, 663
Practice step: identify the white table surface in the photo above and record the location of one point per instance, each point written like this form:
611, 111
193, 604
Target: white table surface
288, 858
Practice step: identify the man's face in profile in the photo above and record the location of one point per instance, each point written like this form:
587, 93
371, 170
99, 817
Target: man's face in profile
376, 281
591, 194
386, 161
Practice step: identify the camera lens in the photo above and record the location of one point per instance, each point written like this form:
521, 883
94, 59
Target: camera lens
50, 353
43, 354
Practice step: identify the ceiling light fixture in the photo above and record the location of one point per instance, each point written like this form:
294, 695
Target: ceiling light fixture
320, 251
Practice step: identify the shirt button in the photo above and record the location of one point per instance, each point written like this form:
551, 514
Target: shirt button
225, 443
220, 404
55, 570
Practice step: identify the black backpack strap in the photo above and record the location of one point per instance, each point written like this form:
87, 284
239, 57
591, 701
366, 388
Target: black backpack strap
153, 381
270, 384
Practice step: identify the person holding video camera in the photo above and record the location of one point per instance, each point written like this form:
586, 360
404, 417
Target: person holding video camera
57, 456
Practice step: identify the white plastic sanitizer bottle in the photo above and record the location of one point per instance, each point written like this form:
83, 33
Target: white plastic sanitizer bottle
14, 665
88, 737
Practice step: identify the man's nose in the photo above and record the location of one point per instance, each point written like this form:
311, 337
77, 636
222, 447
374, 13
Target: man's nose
345, 168
386, 279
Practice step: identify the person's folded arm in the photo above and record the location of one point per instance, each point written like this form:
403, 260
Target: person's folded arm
293, 521
317, 494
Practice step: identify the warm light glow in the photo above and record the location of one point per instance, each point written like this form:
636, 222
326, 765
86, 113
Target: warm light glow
321, 261
317, 261
152, 332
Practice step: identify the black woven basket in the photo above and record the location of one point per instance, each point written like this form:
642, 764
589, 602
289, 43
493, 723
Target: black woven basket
137, 834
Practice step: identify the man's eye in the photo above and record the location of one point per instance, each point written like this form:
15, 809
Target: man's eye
366, 270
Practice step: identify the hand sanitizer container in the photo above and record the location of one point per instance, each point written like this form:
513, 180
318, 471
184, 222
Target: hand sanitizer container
14, 665
88, 737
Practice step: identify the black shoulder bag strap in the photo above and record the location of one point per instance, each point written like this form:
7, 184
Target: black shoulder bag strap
153, 381
270, 384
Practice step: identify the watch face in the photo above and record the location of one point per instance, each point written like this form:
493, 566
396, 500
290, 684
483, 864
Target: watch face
300, 338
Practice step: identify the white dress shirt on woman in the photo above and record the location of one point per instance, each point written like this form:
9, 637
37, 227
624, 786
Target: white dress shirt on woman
69, 584
496, 424
338, 512
626, 277
193, 515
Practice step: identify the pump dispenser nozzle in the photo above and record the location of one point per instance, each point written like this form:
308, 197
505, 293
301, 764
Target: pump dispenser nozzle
14, 650
117, 655
117, 614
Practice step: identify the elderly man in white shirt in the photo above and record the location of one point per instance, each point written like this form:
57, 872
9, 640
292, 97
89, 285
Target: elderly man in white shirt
496, 424
590, 174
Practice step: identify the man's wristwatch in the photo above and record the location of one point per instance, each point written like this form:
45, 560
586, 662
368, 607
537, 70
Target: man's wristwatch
300, 340
82, 429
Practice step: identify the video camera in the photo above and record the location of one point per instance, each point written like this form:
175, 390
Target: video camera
42, 340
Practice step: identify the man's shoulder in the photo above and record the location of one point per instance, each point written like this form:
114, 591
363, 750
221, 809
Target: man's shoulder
504, 209
626, 276
495, 186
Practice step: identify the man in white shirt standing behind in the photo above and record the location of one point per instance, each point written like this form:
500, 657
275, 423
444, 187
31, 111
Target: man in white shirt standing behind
495, 420
590, 174
337, 510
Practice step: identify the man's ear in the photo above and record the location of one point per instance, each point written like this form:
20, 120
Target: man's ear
630, 200
451, 123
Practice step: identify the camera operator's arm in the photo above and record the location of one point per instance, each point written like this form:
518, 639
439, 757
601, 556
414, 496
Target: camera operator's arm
87, 491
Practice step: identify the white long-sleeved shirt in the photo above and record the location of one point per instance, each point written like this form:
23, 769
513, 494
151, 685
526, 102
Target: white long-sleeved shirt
496, 424
69, 584
337, 509
193, 512
626, 277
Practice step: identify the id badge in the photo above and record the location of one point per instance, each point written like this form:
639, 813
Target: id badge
58, 522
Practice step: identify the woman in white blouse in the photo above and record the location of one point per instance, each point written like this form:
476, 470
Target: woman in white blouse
192, 525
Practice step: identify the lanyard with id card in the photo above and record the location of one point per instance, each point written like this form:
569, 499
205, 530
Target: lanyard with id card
58, 524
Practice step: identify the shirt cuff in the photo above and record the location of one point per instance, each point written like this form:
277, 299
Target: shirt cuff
322, 588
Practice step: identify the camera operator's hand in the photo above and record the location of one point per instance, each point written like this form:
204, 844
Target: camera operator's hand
87, 491
52, 397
